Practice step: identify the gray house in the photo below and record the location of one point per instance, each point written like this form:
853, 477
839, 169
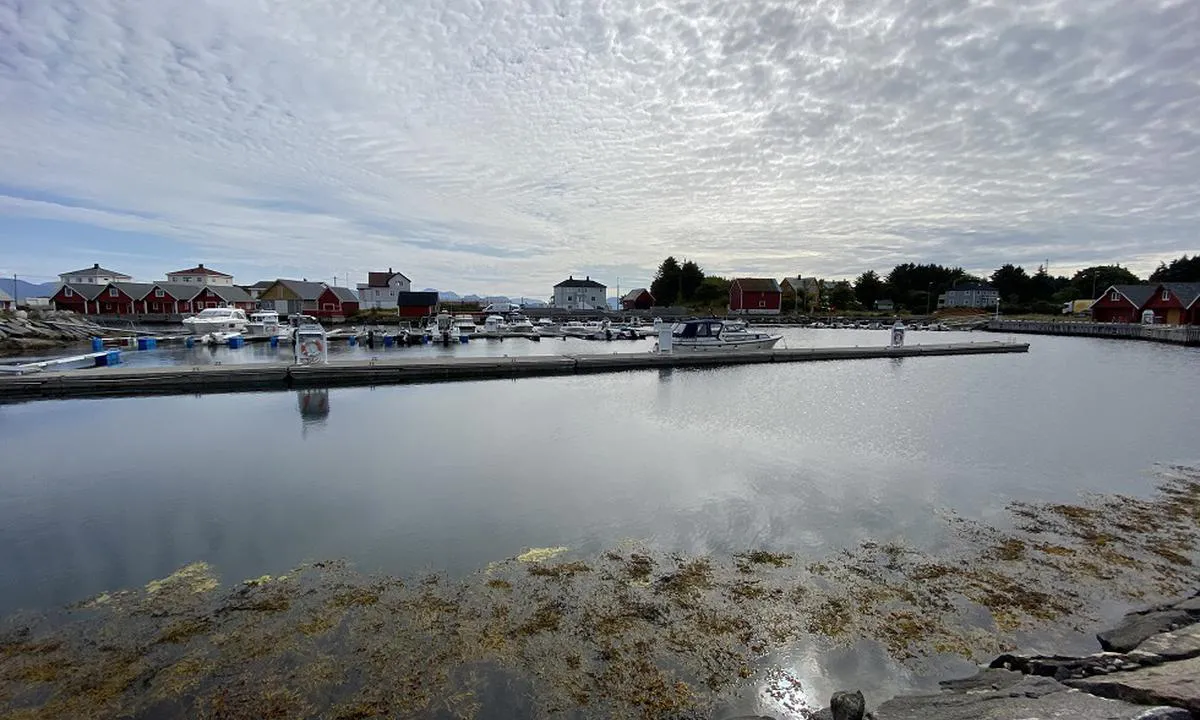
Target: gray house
969, 295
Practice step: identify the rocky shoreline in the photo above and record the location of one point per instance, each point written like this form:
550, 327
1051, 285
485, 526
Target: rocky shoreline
1149, 669
23, 332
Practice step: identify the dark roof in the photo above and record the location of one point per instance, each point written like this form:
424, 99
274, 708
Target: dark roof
137, 291
635, 293
969, 287
199, 270
381, 279
5, 297
1136, 294
87, 291
344, 294
180, 291
757, 284
304, 289
96, 270
261, 284
1187, 293
572, 282
416, 299
229, 293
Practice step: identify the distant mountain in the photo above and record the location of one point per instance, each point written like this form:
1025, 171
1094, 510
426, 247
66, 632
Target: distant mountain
445, 294
614, 303
25, 289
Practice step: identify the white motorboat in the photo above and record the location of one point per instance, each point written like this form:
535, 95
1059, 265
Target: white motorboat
575, 329
493, 326
218, 338
598, 330
465, 325
711, 336
264, 323
209, 320
519, 325
546, 326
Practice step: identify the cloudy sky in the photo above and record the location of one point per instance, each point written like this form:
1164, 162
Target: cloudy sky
500, 145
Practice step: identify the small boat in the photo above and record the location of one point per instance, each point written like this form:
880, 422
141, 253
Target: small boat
546, 326
598, 330
493, 326
264, 323
218, 338
465, 325
711, 336
574, 329
211, 320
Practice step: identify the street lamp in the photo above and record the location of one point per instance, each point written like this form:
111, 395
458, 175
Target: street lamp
928, 297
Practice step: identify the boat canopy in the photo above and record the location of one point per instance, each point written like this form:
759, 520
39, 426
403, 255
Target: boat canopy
699, 328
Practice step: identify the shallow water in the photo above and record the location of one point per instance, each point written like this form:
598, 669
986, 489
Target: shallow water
807, 458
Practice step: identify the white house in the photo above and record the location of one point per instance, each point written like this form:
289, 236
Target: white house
200, 275
95, 275
587, 294
382, 289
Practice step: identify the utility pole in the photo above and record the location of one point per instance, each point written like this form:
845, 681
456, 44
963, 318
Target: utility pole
16, 292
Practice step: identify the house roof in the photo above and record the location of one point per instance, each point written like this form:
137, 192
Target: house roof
5, 297
416, 299
572, 282
304, 289
180, 291
261, 284
87, 291
971, 287
1188, 293
635, 293
137, 291
793, 282
382, 279
757, 284
96, 271
1137, 295
344, 294
229, 293
200, 270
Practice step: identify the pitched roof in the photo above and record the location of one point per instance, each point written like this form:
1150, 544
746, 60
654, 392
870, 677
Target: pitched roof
180, 291
261, 284
200, 270
416, 299
344, 294
1137, 295
1188, 293
757, 284
635, 293
304, 289
87, 291
96, 271
5, 297
572, 282
229, 293
381, 279
137, 291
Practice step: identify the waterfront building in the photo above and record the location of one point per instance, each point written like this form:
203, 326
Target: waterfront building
291, 297
200, 275
586, 294
969, 295
755, 296
382, 288
95, 275
637, 299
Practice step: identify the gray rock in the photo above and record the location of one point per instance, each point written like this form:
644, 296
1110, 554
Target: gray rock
1172, 683
1135, 628
1191, 605
846, 705
1178, 644
1164, 713
1015, 696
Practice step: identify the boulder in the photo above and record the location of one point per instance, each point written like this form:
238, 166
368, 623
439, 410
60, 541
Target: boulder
1178, 644
1135, 628
844, 705
1172, 683
1004, 695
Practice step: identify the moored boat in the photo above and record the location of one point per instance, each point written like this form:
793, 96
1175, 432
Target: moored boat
209, 320
712, 336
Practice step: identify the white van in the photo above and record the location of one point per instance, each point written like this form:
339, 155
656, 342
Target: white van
501, 308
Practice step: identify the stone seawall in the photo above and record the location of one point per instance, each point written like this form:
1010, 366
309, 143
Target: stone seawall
30, 332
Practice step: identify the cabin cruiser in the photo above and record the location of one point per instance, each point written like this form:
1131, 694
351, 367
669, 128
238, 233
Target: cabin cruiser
713, 336
213, 320
493, 326
575, 329
546, 326
520, 325
264, 323
465, 325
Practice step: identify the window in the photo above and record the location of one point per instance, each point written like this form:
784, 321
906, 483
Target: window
1166, 295
68, 292
154, 307
1115, 297
113, 292
328, 306
762, 303
158, 292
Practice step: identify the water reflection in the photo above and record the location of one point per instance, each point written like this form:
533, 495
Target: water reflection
314, 408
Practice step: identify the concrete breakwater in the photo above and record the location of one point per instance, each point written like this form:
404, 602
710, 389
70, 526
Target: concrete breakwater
1149, 670
29, 332
388, 371
1174, 334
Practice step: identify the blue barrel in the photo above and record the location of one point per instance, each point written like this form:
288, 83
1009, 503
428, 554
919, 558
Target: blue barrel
463, 339
144, 343
388, 340
236, 341
97, 344
189, 341
274, 341
112, 357
353, 340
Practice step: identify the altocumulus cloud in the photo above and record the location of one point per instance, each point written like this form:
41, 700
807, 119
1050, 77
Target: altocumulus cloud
514, 142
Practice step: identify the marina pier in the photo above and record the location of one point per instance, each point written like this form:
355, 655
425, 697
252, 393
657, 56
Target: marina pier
252, 377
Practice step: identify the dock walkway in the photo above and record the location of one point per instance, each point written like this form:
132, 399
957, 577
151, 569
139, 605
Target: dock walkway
1173, 334
394, 370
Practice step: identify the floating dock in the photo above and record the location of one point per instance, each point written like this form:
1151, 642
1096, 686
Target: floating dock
1172, 334
393, 370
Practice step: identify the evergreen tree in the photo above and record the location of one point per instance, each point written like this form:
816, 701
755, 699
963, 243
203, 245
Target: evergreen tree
666, 285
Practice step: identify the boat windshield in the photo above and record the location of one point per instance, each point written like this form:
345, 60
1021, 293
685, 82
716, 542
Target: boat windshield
216, 313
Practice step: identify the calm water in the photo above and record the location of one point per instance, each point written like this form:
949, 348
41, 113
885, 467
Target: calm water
807, 458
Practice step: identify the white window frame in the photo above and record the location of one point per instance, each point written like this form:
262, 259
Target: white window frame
113, 292
68, 292
1115, 297
158, 292
1166, 295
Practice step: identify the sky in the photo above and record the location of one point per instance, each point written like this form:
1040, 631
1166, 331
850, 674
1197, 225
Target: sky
499, 146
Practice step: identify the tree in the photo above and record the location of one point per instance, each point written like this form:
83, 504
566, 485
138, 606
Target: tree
1093, 281
690, 277
712, 291
1013, 284
1183, 269
868, 288
1043, 287
665, 287
915, 286
841, 296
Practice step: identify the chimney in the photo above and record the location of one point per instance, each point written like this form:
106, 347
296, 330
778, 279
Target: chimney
201, 266
390, 271
589, 277
96, 266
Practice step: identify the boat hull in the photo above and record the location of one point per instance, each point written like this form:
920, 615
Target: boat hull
763, 343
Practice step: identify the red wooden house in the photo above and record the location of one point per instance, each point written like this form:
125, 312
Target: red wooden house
1121, 304
637, 299
1175, 303
416, 304
211, 296
755, 296
167, 298
78, 297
